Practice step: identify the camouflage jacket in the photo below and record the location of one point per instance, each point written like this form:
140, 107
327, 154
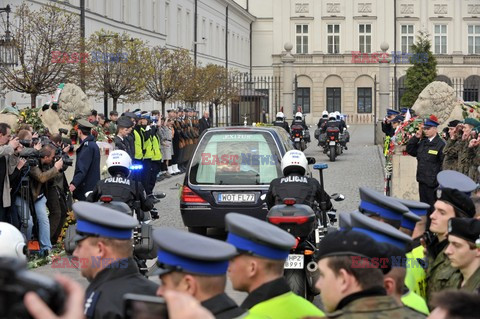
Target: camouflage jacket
473, 283
465, 157
473, 171
376, 307
440, 274
450, 161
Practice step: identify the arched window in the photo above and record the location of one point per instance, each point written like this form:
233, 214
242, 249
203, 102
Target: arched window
443, 78
471, 88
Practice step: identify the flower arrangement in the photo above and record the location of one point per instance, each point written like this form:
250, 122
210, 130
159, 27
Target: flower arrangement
470, 107
30, 116
407, 130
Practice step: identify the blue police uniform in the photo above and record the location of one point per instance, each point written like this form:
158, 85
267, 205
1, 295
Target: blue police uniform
194, 254
87, 166
104, 294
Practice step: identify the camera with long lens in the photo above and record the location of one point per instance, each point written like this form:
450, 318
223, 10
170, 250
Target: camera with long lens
16, 281
31, 156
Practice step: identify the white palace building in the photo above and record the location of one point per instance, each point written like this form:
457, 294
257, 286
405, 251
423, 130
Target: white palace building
334, 46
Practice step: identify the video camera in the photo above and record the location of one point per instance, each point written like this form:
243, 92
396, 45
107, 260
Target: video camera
31, 155
16, 281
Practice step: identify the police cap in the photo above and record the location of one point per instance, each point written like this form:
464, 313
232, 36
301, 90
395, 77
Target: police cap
456, 180
259, 238
130, 115
465, 228
379, 231
373, 202
460, 201
84, 123
344, 220
191, 253
398, 118
409, 220
97, 220
124, 121
430, 123
392, 112
416, 207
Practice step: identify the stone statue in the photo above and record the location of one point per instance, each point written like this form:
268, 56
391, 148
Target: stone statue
439, 98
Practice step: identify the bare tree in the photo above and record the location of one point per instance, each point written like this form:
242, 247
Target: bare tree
167, 73
47, 44
118, 66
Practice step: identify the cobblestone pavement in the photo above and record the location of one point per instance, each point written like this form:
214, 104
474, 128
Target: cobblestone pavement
359, 166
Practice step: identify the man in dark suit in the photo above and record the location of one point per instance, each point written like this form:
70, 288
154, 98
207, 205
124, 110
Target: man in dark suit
204, 122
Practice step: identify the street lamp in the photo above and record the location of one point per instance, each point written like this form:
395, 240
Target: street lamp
8, 51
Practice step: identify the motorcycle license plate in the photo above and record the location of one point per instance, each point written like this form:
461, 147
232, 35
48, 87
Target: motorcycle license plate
297, 139
331, 143
236, 198
294, 261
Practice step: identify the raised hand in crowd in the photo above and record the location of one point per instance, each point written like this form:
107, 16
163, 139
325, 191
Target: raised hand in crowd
59, 164
14, 143
419, 133
21, 163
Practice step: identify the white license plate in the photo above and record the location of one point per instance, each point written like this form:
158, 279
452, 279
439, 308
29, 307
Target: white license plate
331, 143
294, 261
236, 198
297, 139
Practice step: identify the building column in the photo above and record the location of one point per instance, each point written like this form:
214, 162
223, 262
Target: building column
384, 82
287, 93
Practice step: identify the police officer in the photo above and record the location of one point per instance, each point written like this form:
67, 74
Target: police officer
87, 164
429, 153
119, 186
387, 124
124, 128
332, 122
296, 185
323, 119
258, 268
104, 251
196, 265
350, 282
299, 120
381, 207
280, 121
463, 251
440, 273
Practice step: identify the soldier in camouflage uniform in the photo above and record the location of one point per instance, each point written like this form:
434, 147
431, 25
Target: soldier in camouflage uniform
466, 154
451, 149
440, 274
474, 147
462, 251
349, 291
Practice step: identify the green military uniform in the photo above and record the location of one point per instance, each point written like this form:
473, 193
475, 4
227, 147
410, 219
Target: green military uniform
375, 307
451, 150
473, 283
415, 302
415, 276
440, 274
464, 157
475, 162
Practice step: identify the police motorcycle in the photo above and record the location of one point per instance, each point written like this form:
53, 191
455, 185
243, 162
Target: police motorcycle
308, 225
280, 121
119, 161
332, 144
299, 133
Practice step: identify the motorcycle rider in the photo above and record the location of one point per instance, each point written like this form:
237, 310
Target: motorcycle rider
332, 122
343, 125
296, 185
321, 123
120, 187
280, 121
299, 120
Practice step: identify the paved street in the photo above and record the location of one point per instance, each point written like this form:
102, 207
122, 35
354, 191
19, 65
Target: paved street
360, 165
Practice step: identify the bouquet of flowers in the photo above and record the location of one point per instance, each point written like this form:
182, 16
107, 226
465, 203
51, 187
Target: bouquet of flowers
407, 130
470, 107
30, 116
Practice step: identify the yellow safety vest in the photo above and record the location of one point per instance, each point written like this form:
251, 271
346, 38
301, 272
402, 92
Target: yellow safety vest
414, 301
415, 278
286, 306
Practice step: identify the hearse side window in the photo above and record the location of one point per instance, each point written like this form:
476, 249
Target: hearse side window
236, 158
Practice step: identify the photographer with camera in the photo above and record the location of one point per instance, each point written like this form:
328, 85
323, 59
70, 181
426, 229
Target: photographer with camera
7, 164
57, 188
40, 173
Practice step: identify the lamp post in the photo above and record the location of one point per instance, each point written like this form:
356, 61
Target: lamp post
8, 54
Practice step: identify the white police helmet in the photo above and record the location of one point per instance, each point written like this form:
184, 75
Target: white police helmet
332, 116
325, 113
12, 242
337, 115
119, 161
294, 161
280, 114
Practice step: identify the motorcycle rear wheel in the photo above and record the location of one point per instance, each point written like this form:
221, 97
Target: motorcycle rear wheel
332, 153
297, 281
